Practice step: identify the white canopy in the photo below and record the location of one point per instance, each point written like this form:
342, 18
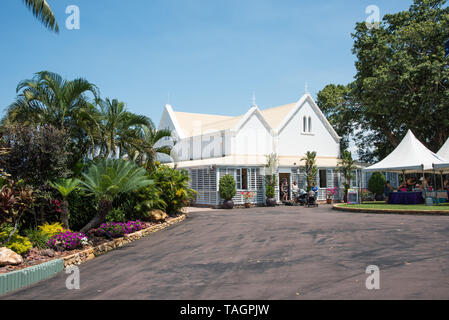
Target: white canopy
410, 156
443, 153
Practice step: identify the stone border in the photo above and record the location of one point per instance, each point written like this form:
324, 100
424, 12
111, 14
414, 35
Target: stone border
339, 207
16, 280
89, 254
19, 279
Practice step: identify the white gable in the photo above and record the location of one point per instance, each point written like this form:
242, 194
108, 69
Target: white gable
253, 136
295, 139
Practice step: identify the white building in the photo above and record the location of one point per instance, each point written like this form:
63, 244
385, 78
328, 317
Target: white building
211, 146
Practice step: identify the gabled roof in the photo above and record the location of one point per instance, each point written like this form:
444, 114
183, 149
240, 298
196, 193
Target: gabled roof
410, 156
275, 119
276, 115
444, 151
319, 113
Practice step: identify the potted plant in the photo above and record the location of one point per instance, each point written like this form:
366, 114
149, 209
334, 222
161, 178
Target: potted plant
228, 190
376, 185
330, 193
270, 183
248, 196
366, 195
347, 166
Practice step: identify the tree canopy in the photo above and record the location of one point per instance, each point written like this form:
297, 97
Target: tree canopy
401, 82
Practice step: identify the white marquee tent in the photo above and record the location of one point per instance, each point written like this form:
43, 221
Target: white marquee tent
411, 156
443, 153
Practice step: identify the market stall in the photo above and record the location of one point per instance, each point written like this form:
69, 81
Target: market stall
410, 156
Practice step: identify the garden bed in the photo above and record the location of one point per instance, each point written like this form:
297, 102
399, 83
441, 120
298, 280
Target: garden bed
97, 246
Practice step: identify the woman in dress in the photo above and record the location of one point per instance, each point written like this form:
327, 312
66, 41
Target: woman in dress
285, 190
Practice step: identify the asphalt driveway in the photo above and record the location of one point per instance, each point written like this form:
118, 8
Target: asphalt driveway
270, 253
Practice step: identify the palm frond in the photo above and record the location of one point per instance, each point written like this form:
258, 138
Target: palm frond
42, 11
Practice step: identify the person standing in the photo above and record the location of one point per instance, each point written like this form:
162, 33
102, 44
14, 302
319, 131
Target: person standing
295, 190
387, 190
285, 190
315, 189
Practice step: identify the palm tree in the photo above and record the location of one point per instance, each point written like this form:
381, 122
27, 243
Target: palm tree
121, 129
347, 166
49, 99
151, 146
87, 129
42, 11
310, 168
65, 188
109, 178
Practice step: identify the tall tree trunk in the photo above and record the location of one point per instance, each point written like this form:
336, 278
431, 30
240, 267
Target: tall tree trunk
65, 213
104, 206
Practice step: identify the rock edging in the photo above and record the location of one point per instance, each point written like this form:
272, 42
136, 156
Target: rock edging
391, 211
89, 254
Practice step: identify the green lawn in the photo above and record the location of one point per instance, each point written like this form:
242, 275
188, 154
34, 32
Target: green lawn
383, 206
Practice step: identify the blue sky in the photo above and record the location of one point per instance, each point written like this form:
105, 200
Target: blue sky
209, 55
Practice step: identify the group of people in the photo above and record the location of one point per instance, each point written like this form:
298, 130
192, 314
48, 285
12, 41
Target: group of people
285, 188
413, 185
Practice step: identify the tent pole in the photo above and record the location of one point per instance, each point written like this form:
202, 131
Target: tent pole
424, 178
435, 186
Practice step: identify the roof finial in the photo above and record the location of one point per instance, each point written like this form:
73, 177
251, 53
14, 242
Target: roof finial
306, 88
254, 100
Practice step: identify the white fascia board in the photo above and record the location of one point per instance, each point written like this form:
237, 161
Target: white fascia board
254, 111
171, 114
321, 116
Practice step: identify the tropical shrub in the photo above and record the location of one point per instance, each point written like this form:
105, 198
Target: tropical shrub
347, 166
116, 215
82, 209
310, 168
175, 191
65, 187
38, 238
106, 180
67, 240
118, 229
15, 201
136, 205
16, 243
47, 153
270, 192
376, 183
270, 185
53, 229
227, 187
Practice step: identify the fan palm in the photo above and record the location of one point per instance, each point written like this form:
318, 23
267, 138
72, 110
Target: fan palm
109, 178
65, 188
120, 128
42, 11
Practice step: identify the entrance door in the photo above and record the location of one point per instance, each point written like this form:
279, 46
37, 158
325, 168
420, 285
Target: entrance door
282, 178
